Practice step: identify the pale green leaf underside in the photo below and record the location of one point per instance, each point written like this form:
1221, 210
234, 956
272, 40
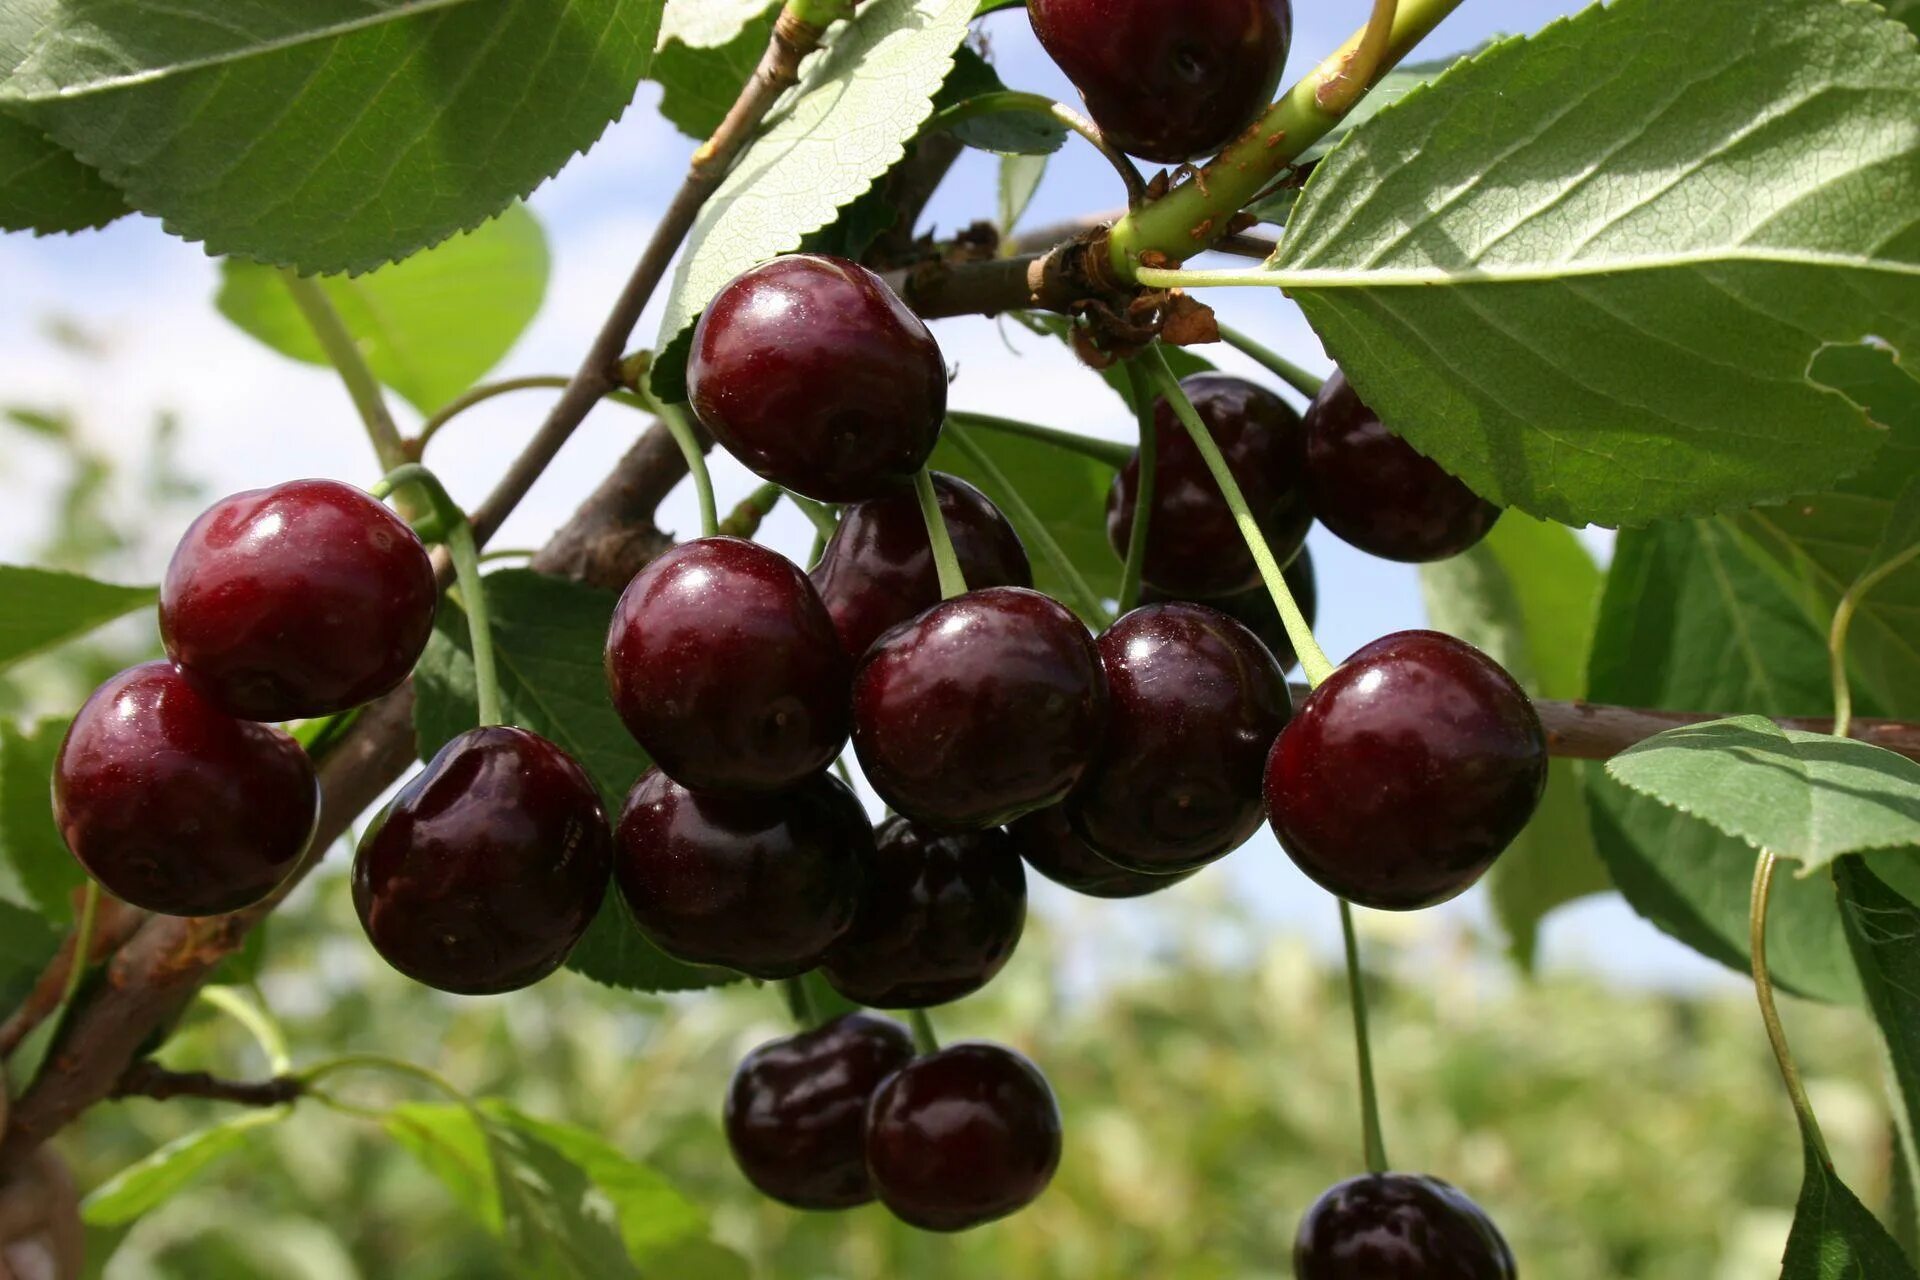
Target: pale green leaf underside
700, 81
1587, 271
148, 1183
703, 24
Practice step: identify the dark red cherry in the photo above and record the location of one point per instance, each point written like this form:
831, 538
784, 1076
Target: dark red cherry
1050, 846
1195, 703
1372, 489
962, 1136
301, 600
1194, 548
877, 570
796, 1113
940, 915
175, 806
762, 884
981, 709
725, 666
816, 376
1405, 774
1168, 80
1399, 1226
485, 869
1256, 611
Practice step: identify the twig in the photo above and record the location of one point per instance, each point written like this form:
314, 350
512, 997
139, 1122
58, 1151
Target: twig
146, 1080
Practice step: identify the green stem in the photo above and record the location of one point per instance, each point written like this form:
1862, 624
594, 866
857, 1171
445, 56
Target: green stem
82, 942
344, 354
1278, 365
818, 514
1769, 1013
1111, 452
1837, 636
801, 1002
1143, 403
744, 520
681, 427
924, 1038
1362, 63
480, 395
326, 1067
952, 581
1313, 661
257, 1022
1375, 1146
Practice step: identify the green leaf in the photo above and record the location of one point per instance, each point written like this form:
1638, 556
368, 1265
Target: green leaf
1527, 595
1598, 300
1908, 11
324, 136
1807, 796
1689, 623
1883, 930
27, 942
429, 327
858, 105
707, 54
31, 847
706, 24
53, 424
147, 1184
42, 608
43, 187
1019, 178
454, 1149
1834, 1236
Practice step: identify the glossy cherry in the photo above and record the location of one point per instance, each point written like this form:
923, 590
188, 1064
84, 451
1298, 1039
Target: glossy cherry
1399, 1226
725, 666
796, 1112
1195, 703
941, 914
962, 1136
1256, 611
762, 884
816, 376
1049, 844
1169, 80
1407, 772
485, 869
301, 600
175, 806
1374, 490
1194, 548
877, 570
983, 708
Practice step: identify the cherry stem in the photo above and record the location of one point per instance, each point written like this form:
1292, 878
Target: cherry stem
1763, 870
681, 427
488, 391
1342, 86
1273, 362
1313, 661
1375, 1146
744, 520
952, 581
1111, 452
82, 941
257, 1023
1837, 636
818, 514
344, 354
1143, 496
924, 1038
800, 1001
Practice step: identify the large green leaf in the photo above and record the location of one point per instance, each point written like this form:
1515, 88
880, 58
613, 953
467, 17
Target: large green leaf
858, 105
1908, 11
32, 852
147, 1184
1527, 595
1883, 929
1834, 1236
1588, 270
43, 187
331, 135
41, 608
706, 57
429, 327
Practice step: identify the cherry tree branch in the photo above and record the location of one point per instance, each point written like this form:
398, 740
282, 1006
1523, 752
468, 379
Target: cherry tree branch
148, 1080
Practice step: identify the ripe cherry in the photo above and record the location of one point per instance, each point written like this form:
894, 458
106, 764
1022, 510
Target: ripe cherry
940, 916
1398, 1226
1194, 548
1256, 611
984, 707
300, 600
1169, 80
725, 666
1407, 772
1050, 846
816, 376
485, 869
762, 884
877, 570
1196, 702
1374, 490
796, 1113
175, 806
962, 1136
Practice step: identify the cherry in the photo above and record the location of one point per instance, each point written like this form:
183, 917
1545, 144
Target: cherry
1194, 548
877, 570
726, 667
175, 806
485, 869
301, 600
1375, 491
796, 1113
816, 376
962, 1136
762, 884
984, 707
1399, 1226
1050, 846
1196, 703
1256, 611
1405, 774
940, 916
1169, 80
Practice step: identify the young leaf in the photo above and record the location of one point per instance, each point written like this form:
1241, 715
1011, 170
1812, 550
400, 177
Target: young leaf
42, 608
1602, 305
145, 1185
30, 844
1019, 179
706, 58
430, 327
1883, 930
1834, 1236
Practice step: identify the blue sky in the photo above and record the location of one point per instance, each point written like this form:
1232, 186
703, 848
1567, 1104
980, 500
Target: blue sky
252, 418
